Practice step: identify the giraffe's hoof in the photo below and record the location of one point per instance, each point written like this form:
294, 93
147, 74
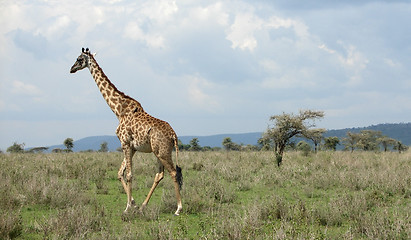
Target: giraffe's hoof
128, 209
177, 213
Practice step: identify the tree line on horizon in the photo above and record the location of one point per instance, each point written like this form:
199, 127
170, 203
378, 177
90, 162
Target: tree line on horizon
279, 137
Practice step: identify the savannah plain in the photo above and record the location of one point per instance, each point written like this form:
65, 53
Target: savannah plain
226, 195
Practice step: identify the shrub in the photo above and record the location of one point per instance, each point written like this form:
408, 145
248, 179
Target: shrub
304, 147
10, 224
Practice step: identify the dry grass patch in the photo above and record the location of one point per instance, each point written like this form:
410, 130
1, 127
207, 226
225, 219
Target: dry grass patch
226, 195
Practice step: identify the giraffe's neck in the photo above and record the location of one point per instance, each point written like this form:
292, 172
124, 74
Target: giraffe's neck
119, 102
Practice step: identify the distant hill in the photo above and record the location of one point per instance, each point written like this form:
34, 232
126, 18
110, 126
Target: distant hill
216, 140
92, 143
113, 143
399, 131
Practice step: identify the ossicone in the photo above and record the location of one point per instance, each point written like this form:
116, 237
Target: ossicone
84, 51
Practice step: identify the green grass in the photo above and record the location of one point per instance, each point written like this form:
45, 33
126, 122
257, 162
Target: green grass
226, 195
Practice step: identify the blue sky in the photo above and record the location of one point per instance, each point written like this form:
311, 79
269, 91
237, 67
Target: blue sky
206, 67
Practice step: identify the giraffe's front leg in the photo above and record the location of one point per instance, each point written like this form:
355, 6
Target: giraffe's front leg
125, 169
120, 175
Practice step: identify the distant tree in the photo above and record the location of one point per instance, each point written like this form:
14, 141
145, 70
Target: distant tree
386, 142
287, 126
103, 147
400, 147
182, 146
69, 144
38, 149
315, 135
368, 140
265, 143
350, 142
16, 148
304, 147
291, 146
229, 145
194, 145
250, 147
57, 150
206, 148
87, 151
331, 143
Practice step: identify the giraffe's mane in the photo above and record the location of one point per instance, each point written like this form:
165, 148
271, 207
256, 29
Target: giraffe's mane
122, 94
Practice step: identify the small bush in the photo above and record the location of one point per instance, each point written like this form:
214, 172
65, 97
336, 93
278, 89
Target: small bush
10, 224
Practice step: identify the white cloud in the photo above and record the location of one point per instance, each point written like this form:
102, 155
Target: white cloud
198, 96
351, 60
299, 78
300, 29
57, 28
270, 65
149, 22
392, 63
354, 62
22, 88
159, 10
134, 32
325, 48
213, 12
241, 33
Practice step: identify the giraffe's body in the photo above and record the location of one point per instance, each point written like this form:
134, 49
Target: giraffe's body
137, 131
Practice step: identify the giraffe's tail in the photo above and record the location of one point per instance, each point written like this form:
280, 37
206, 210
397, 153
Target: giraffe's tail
179, 174
176, 147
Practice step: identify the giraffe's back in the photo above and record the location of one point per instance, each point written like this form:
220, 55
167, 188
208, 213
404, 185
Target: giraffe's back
146, 133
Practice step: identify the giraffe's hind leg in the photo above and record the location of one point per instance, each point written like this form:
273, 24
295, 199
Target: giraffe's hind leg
159, 176
176, 176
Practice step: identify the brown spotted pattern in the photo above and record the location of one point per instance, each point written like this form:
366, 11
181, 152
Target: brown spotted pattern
137, 131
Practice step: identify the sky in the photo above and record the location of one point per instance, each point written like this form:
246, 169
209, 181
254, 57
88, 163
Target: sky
206, 67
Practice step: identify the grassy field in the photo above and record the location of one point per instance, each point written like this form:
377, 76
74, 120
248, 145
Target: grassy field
226, 195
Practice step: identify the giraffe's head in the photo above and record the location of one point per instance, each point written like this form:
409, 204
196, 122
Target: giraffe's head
82, 61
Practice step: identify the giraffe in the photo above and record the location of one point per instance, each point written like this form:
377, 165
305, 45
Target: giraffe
137, 131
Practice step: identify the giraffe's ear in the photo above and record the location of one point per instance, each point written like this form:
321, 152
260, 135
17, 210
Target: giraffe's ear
94, 54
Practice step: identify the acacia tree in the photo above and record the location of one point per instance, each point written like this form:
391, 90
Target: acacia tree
288, 125
194, 145
350, 142
69, 144
315, 135
331, 143
103, 147
368, 140
400, 147
229, 145
264, 143
182, 146
16, 148
386, 142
